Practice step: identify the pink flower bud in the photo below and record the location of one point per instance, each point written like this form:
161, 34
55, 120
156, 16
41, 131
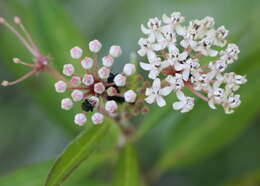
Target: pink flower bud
77, 95
66, 103
68, 69
111, 91
60, 86
97, 118
17, 20
111, 106
130, 96
76, 52
87, 63
129, 69
80, 119
95, 46
75, 81
108, 61
88, 79
2, 20
104, 72
94, 100
120, 80
115, 51
99, 88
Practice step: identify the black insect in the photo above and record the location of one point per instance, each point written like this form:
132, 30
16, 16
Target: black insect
111, 78
88, 105
117, 99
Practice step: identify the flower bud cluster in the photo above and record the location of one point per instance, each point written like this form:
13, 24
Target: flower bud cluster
98, 88
176, 55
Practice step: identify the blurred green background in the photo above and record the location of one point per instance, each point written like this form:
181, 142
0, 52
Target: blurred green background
201, 148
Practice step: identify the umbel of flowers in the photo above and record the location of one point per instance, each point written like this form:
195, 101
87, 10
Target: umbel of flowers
193, 57
98, 89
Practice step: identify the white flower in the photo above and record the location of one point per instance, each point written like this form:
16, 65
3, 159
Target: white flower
104, 72
185, 104
75, 81
87, 63
88, 79
174, 23
156, 93
154, 30
107, 61
129, 69
99, 88
80, 119
230, 54
233, 81
66, 103
220, 35
77, 95
115, 51
147, 48
218, 66
111, 106
204, 47
68, 69
130, 96
233, 101
76, 52
97, 118
120, 80
176, 82
95, 46
60, 86
153, 67
169, 41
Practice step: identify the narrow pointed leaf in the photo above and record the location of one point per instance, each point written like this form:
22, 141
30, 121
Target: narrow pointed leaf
75, 153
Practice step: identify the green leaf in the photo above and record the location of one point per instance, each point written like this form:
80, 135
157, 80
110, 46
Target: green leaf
250, 179
29, 176
35, 174
203, 131
75, 153
127, 168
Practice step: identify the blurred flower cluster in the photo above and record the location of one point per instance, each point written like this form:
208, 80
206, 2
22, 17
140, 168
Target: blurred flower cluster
193, 57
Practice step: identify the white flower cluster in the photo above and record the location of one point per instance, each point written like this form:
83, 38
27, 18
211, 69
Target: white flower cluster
98, 88
195, 57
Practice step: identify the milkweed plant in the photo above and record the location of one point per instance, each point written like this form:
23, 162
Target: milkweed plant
187, 60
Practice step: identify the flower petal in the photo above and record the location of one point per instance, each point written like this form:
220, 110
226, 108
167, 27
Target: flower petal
166, 19
186, 74
141, 52
165, 91
146, 66
183, 55
180, 30
151, 55
180, 95
150, 99
157, 84
153, 74
145, 30
178, 105
160, 101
